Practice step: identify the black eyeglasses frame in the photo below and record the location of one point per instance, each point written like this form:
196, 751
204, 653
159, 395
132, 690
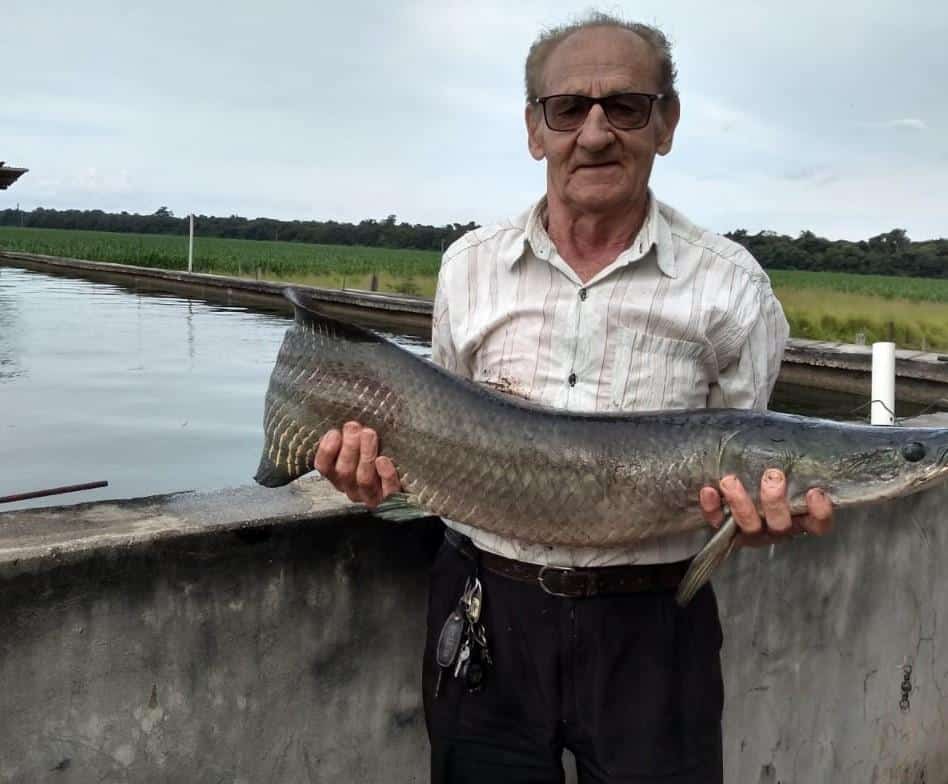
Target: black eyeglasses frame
653, 97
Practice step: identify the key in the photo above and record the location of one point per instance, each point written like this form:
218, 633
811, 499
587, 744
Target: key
455, 631
449, 641
479, 636
475, 601
463, 656
452, 633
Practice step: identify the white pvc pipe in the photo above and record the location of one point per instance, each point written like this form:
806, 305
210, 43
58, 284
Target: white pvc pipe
882, 411
191, 243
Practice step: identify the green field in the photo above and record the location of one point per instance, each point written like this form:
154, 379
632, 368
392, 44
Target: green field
889, 287
334, 266
821, 305
853, 308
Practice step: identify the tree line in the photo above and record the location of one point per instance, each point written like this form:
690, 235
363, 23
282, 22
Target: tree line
385, 233
890, 253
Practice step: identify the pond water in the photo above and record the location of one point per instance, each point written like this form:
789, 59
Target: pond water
153, 393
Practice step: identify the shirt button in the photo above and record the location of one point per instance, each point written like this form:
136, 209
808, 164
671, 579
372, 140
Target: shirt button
582, 294
572, 379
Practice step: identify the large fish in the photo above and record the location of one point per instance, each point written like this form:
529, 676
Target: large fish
541, 475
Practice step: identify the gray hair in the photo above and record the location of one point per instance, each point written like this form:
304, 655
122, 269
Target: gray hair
549, 39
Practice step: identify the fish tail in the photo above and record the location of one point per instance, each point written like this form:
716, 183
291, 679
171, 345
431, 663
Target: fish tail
325, 374
307, 312
710, 557
269, 474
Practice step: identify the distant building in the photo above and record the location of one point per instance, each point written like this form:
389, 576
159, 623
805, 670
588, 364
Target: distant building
9, 175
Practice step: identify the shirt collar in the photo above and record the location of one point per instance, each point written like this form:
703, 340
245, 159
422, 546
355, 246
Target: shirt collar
655, 233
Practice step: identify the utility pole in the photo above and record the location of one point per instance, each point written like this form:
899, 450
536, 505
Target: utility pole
191, 242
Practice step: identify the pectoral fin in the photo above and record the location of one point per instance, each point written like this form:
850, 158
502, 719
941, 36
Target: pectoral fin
397, 508
708, 559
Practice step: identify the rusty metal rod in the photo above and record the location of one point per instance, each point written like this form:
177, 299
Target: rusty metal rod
6, 499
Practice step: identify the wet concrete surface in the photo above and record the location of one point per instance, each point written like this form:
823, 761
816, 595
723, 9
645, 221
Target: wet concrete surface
37, 539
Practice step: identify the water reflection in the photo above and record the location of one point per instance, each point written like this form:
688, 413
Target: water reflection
10, 367
190, 320
152, 393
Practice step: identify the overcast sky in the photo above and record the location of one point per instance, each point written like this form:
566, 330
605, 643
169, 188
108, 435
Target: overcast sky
829, 115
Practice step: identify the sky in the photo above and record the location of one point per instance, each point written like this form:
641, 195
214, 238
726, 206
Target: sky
826, 116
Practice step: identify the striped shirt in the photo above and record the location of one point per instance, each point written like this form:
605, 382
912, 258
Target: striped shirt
682, 318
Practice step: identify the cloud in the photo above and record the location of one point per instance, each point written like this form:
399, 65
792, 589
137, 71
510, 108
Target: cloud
909, 123
309, 110
861, 198
94, 180
904, 123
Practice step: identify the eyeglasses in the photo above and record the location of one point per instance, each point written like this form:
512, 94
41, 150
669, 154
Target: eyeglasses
625, 111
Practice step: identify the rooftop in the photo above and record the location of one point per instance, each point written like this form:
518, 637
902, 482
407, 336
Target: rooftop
9, 175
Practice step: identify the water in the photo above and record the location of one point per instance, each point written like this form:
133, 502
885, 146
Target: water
154, 393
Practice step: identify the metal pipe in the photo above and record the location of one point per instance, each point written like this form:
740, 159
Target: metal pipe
7, 499
883, 384
190, 241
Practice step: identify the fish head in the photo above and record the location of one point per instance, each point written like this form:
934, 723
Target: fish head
852, 464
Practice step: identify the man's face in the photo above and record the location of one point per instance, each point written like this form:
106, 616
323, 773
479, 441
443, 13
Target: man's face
599, 169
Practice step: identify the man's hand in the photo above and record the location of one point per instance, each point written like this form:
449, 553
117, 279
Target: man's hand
778, 524
350, 461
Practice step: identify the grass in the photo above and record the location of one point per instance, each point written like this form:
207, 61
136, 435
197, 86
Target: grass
417, 285
294, 261
865, 308
819, 305
889, 287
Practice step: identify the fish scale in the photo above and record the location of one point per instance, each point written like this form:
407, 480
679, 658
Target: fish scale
517, 469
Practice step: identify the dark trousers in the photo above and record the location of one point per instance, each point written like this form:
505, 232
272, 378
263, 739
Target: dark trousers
631, 684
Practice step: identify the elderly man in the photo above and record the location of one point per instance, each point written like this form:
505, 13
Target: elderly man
598, 298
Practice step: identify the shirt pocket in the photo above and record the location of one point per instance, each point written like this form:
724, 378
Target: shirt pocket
654, 372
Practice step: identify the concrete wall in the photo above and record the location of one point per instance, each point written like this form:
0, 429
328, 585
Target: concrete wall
282, 654
817, 635
289, 651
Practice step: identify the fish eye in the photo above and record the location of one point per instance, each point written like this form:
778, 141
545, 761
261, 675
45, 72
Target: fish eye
913, 452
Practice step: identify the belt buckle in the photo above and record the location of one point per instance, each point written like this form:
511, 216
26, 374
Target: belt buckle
561, 591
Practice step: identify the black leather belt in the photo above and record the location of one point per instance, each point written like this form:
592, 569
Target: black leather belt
573, 582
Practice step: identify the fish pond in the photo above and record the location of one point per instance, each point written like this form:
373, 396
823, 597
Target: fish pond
153, 392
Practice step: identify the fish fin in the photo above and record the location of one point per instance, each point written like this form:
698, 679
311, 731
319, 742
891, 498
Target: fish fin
710, 557
398, 508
